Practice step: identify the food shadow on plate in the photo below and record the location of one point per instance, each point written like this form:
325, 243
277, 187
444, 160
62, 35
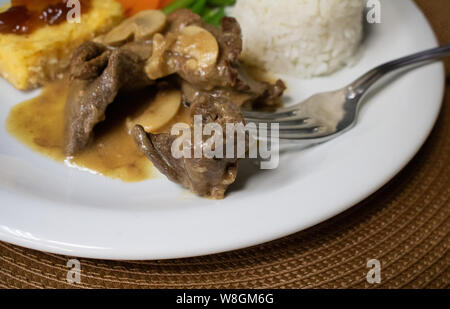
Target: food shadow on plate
251, 169
248, 168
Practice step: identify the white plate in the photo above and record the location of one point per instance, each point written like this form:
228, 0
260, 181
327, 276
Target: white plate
47, 206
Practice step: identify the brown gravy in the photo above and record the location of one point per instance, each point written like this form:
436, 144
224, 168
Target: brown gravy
39, 124
259, 74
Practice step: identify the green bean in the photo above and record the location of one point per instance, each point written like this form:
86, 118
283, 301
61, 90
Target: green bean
178, 4
198, 6
208, 13
217, 17
222, 2
212, 11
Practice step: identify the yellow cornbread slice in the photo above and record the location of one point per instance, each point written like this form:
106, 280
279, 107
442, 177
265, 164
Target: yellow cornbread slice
29, 61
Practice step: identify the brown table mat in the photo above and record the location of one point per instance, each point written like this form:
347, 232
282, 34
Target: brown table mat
405, 226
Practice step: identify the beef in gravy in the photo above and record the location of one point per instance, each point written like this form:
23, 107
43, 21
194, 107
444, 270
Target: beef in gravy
198, 59
39, 124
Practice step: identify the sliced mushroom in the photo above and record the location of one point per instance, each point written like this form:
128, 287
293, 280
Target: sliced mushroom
141, 26
149, 22
196, 46
156, 67
158, 112
199, 45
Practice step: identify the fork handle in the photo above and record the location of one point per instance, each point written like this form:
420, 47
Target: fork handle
362, 84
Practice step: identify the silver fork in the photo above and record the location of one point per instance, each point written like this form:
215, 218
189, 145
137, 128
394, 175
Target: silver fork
325, 116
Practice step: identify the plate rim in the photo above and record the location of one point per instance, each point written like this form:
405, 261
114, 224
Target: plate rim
238, 244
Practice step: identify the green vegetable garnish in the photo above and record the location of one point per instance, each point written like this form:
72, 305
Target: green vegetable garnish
198, 6
176, 5
222, 2
216, 17
208, 13
211, 11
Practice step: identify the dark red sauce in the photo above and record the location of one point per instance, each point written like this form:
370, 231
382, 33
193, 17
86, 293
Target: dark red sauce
25, 16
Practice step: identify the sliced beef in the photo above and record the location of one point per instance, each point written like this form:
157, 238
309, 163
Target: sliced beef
228, 77
247, 92
182, 18
224, 74
89, 61
208, 177
98, 74
261, 93
217, 96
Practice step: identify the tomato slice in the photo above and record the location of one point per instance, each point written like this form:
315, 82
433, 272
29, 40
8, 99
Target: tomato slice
132, 7
164, 3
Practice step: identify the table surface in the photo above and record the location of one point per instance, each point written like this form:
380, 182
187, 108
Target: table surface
405, 226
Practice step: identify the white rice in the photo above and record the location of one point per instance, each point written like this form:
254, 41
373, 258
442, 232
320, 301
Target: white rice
305, 38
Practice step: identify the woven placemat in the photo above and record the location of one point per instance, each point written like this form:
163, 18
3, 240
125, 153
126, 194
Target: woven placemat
405, 226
